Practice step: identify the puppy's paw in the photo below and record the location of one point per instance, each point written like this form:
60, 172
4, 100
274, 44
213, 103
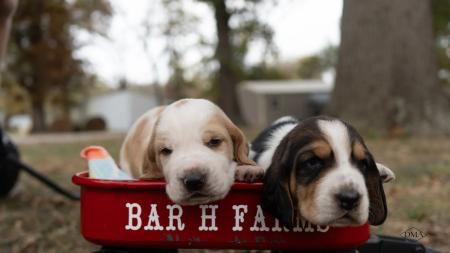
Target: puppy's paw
249, 173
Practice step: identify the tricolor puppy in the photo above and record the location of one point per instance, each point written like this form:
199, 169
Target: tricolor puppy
194, 146
321, 170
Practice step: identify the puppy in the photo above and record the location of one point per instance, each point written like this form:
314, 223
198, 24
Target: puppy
194, 146
321, 170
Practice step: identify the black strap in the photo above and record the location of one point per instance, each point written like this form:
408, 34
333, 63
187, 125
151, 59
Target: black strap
13, 161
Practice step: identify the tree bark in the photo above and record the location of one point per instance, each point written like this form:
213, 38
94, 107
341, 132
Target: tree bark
228, 74
7, 8
66, 104
38, 115
386, 76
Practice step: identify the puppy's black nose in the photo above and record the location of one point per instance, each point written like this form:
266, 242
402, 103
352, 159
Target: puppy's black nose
194, 181
348, 200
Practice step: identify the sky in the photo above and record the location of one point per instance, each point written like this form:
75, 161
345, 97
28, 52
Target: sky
302, 27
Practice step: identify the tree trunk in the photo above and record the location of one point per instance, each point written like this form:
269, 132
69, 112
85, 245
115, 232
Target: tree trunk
7, 8
38, 115
228, 75
386, 76
66, 101
158, 93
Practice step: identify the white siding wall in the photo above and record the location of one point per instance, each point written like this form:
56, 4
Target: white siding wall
119, 109
139, 104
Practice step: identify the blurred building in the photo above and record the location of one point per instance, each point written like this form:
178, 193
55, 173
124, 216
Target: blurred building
120, 108
262, 102
21, 124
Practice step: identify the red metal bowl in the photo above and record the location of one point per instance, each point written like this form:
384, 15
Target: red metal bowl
117, 213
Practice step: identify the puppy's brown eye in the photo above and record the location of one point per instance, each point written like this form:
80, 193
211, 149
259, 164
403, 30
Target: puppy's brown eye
165, 151
214, 143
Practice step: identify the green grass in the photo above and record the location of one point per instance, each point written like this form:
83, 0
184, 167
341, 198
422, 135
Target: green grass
413, 174
419, 212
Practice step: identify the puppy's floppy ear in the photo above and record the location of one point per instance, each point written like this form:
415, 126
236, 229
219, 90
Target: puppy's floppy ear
377, 199
151, 167
276, 197
240, 144
386, 174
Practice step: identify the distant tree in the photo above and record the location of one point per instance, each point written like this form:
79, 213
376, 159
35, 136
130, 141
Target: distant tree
441, 25
329, 57
264, 71
179, 24
228, 74
14, 100
149, 30
312, 67
386, 74
309, 67
43, 47
232, 47
7, 9
237, 26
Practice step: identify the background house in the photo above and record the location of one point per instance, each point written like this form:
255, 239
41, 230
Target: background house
119, 108
262, 102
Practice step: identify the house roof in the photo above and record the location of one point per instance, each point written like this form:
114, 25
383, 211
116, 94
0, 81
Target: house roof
287, 86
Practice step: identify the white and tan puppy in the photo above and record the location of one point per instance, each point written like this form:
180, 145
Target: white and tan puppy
194, 146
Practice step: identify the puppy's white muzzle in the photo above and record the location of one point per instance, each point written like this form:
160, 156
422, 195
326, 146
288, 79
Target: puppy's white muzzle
196, 178
341, 199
